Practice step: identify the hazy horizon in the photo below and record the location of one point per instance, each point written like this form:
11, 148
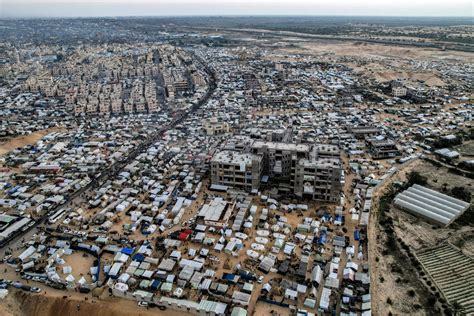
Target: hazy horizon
126, 8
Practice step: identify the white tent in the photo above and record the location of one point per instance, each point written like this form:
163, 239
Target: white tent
67, 269
70, 278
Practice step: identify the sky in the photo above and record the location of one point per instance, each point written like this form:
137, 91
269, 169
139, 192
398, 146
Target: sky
90, 8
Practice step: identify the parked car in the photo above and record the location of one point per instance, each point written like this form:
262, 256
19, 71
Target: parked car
143, 304
35, 290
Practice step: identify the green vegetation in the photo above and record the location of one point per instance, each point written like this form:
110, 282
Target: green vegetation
466, 219
401, 251
457, 309
461, 193
415, 177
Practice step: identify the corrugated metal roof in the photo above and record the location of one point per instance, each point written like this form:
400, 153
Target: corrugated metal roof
430, 204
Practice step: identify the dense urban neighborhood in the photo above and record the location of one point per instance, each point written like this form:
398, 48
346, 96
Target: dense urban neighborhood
151, 167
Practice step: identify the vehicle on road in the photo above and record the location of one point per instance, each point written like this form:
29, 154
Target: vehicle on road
35, 290
143, 304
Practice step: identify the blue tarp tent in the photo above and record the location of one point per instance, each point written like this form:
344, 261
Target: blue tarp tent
138, 257
127, 251
356, 234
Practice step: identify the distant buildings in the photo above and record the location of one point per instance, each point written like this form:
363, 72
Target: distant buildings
398, 89
214, 127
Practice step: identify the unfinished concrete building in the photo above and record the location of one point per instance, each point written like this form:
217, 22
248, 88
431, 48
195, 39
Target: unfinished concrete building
313, 172
381, 149
318, 177
238, 170
278, 157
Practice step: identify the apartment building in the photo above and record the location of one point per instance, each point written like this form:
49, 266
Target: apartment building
214, 127
313, 172
398, 89
318, 177
278, 156
235, 169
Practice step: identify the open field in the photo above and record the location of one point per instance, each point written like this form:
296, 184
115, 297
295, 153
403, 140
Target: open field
20, 141
450, 270
399, 289
358, 49
466, 149
383, 63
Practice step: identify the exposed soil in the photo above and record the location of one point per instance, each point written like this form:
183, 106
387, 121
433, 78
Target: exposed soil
397, 286
19, 303
11, 144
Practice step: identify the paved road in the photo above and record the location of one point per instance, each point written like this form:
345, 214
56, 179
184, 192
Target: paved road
16, 240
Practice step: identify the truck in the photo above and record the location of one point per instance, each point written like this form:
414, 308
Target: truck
247, 275
230, 277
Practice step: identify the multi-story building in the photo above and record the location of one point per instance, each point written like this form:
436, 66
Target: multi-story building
277, 156
104, 107
318, 177
361, 132
398, 89
116, 105
381, 149
214, 127
313, 172
235, 169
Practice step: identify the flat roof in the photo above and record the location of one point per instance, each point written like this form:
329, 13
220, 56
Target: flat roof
281, 146
233, 157
213, 211
14, 227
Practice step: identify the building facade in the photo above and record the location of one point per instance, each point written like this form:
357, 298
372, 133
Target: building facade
312, 172
235, 169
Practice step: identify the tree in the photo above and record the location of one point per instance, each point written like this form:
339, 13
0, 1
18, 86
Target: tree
457, 308
461, 193
415, 177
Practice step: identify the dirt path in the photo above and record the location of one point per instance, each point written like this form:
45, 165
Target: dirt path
379, 291
55, 303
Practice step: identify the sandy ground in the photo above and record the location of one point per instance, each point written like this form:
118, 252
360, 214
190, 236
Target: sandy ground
382, 62
266, 309
53, 302
381, 51
417, 234
441, 177
389, 288
20, 303
80, 265
21, 141
466, 149
429, 79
